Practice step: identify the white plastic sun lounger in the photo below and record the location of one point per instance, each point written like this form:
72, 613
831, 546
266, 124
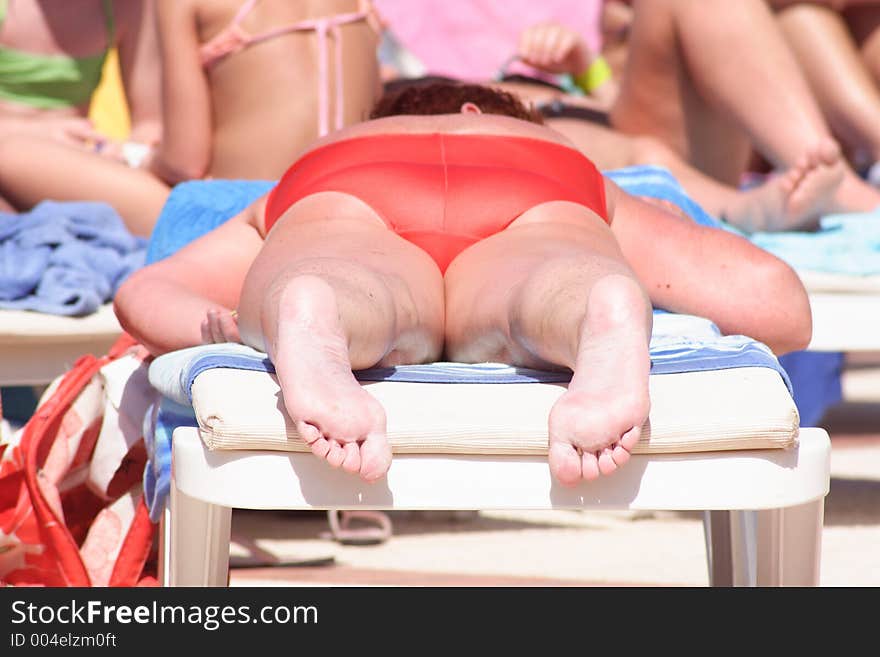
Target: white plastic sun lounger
846, 311
725, 442
35, 348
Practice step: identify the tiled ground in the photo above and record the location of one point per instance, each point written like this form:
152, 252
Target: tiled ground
570, 548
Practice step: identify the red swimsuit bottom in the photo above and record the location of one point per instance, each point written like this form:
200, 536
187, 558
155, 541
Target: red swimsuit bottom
443, 192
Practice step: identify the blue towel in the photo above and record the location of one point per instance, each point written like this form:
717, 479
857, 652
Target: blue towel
197, 207
159, 424
843, 244
657, 182
65, 258
679, 343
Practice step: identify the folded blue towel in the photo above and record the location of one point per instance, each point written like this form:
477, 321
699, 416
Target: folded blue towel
657, 182
679, 343
65, 258
196, 207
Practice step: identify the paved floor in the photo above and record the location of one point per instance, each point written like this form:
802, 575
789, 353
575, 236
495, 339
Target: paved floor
558, 548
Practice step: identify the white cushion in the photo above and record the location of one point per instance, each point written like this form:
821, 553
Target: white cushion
743, 408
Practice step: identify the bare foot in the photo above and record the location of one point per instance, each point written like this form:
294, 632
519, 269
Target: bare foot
793, 200
340, 420
856, 195
597, 422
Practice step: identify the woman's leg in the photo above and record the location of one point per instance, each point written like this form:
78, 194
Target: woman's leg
553, 290
864, 25
714, 69
710, 78
34, 170
795, 199
334, 290
847, 93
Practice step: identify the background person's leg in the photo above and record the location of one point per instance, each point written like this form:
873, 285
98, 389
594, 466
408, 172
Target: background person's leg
553, 290
34, 170
795, 199
334, 290
713, 78
864, 25
844, 88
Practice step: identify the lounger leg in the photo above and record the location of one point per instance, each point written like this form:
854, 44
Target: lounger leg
196, 550
773, 547
719, 557
164, 574
789, 543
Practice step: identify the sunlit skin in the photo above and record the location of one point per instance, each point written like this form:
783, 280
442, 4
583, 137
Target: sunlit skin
558, 288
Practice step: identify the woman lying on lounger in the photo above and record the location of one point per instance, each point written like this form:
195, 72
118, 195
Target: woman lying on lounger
470, 233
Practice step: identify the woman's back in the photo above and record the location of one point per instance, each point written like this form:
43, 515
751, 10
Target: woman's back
274, 77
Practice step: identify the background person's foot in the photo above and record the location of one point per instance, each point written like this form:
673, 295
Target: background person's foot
795, 199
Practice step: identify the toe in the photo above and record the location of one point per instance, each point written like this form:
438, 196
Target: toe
321, 447
352, 461
606, 462
590, 466
630, 439
336, 454
375, 457
620, 454
308, 432
565, 463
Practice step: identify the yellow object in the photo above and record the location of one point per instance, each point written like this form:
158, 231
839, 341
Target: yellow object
595, 76
109, 110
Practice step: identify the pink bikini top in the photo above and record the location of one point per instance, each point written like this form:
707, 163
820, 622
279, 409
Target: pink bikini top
234, 38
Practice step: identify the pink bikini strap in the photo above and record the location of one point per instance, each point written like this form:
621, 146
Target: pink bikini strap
230, 39
324, 27
235, 38
243, 11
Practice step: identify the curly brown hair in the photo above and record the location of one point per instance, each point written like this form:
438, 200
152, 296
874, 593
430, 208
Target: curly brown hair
448, 97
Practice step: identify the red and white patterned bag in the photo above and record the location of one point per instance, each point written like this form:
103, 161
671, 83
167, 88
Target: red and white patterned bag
71, 506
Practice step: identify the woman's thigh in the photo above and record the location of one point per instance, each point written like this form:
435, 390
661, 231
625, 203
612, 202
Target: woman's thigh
561, 247
341, 239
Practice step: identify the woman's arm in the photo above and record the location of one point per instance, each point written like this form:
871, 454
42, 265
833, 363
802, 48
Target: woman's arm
692, 269
139, 68
165, 305
185, 151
